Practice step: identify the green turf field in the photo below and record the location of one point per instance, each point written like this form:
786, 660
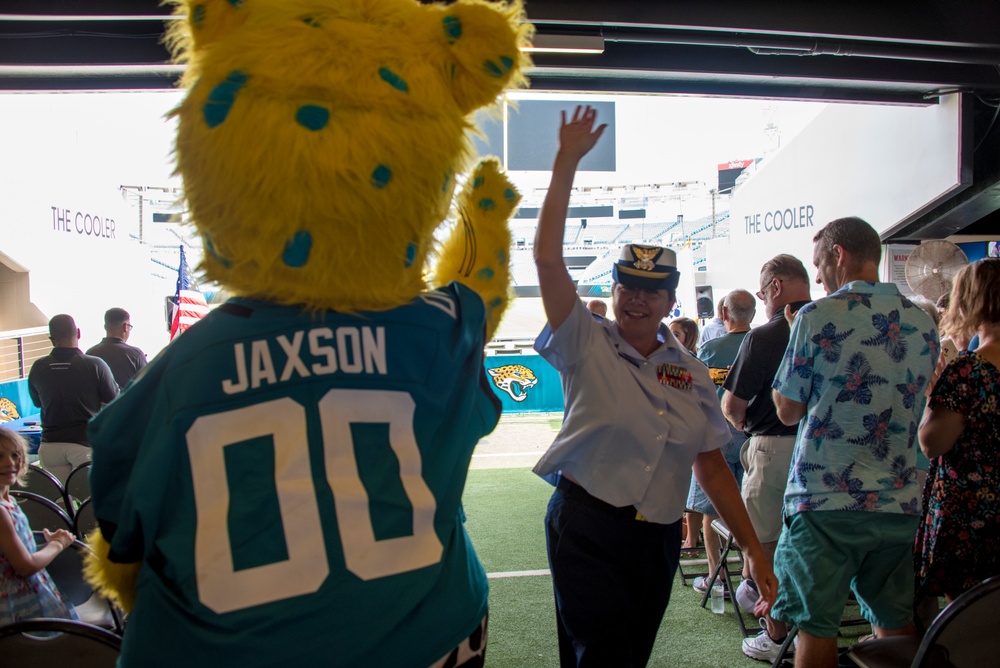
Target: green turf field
505, 510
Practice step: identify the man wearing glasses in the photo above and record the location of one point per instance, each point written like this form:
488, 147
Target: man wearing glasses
124, 360
747, 404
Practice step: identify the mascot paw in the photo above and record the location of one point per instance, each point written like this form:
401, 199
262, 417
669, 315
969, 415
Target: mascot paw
115, 582
489, 195
477, 253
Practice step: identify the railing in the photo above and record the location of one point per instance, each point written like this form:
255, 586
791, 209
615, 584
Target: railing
514, 346
19, 348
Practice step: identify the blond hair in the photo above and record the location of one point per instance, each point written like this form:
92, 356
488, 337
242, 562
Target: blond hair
974, 298
20, 446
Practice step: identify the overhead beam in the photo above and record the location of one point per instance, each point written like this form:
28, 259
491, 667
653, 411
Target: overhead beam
962, 23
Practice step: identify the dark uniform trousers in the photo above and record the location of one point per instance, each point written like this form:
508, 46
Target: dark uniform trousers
611, 573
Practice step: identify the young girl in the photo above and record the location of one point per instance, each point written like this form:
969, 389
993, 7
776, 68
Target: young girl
26, 590
685, 330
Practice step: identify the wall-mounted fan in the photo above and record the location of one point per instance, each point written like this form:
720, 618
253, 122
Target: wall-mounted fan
931, 267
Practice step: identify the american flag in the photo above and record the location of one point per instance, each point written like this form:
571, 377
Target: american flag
189, 303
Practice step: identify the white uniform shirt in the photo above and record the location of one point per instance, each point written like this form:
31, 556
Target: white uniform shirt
633, 425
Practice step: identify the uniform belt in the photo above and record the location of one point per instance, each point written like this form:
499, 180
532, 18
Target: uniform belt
574, 491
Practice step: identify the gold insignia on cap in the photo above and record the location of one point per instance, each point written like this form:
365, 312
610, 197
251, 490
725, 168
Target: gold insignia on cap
645, 257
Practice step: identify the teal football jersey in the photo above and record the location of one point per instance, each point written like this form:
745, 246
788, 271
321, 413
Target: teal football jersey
292, 482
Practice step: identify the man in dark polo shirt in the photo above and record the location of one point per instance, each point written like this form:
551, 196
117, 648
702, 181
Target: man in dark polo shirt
69, 388
747, 404
124, 360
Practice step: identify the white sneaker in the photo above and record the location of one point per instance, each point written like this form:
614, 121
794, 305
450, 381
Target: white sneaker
747, 595
762, 648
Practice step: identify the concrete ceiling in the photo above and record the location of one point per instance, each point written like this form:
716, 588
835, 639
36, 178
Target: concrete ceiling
858, 51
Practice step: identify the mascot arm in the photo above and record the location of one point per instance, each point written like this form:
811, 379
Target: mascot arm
477, 253
114, 581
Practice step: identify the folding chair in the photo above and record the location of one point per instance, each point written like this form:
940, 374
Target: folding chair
690, 558
793, 632
41, 512
722, 570
43, 483
66, 570
78, 483
965, 634
85, 520
57, 642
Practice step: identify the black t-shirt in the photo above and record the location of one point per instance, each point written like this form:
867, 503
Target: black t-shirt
753, 372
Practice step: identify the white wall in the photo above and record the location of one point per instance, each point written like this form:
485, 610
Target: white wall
64, 158
881, 163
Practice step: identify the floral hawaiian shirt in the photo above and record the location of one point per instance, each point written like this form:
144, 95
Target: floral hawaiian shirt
860, 360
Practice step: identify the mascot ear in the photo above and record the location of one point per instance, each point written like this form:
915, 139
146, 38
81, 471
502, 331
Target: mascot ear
200, 23
485, 40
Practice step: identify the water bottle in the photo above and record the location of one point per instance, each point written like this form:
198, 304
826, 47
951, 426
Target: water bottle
718, 604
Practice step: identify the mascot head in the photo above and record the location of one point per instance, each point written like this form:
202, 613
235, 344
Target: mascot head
320, 140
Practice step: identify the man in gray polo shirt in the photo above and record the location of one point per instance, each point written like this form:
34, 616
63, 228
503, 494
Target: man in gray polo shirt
124, 360
69, 388
641, 414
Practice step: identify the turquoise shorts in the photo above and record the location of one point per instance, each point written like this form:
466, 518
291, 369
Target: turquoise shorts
821, 555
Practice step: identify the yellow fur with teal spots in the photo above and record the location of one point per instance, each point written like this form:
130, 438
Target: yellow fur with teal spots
320, 143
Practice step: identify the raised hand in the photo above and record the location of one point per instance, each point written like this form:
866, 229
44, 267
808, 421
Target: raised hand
578, 136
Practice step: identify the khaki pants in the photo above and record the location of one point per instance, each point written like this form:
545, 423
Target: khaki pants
766, 460
61, 458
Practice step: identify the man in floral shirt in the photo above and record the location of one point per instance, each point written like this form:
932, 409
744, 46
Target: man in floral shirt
854, 375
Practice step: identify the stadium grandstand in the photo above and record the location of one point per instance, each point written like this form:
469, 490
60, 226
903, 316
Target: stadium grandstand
602, 220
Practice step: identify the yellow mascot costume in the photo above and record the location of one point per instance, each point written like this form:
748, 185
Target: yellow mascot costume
282, 485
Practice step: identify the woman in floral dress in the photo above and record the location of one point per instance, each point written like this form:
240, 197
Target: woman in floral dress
958, 543
26, 590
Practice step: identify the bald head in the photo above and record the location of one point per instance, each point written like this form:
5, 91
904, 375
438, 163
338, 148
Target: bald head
598, 307
739, 310
63, 331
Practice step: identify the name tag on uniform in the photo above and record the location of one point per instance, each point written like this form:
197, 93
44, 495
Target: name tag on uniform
674, 376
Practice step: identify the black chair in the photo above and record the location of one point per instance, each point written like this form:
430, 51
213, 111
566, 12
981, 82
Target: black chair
78, 483
85, 521
691, 558
43, 483
66, 570
694, 562
41, 512
723, 571
966, 633
57, 642
793, 631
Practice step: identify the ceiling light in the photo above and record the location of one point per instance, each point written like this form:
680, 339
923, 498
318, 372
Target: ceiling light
566, 44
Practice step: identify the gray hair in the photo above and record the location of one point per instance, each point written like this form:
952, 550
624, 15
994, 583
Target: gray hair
784, 266
741, 306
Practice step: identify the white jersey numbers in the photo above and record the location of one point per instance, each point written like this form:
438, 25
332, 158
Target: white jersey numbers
366, 557
223, 589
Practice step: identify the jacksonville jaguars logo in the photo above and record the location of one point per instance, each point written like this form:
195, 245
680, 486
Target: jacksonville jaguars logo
514, 379
8, 411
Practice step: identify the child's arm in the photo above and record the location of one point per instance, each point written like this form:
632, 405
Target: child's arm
17, 554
